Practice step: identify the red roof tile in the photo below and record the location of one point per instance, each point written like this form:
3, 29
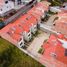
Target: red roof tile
16, 37
53, 45
43, 6
37, 16
36, 11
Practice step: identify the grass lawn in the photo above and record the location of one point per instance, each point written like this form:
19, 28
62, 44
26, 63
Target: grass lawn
11, 56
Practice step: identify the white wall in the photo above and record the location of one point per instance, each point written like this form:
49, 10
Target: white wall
6, 7
22, 41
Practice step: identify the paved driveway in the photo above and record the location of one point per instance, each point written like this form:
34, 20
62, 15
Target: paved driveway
36, 44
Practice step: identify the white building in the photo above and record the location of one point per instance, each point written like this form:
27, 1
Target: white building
6, 6
21, 43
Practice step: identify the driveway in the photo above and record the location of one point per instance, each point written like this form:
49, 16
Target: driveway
36, 44
51, 20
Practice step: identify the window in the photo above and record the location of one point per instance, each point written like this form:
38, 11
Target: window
6, 2
29, 34
65, 52
21, 44
54, 24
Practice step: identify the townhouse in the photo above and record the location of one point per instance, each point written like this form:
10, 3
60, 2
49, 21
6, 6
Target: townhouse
23, 25
27, 31
11, 35
41, 6
40, 9
20, 30
14, 33
37, 16
31, 22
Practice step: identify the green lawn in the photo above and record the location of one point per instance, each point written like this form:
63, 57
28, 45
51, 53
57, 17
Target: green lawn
10, 56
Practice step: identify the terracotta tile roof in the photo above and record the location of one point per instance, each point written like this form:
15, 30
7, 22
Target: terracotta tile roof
62, 14
53, 45
61, 25
6, 28
31, 12
16, 37
39, 9
42, 6
10, 34
29, 19
36, 11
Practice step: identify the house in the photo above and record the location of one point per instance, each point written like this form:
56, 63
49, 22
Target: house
37, 16
9, 33
62, 14
15, 35
60, 25
34, 24
21, 28
55, 51
23, 25
27, 31
30, 21
39, 10
5, 7
43, 7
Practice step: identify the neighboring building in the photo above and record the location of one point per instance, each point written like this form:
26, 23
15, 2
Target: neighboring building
37, 16
55, 51
6, 6
39, 9
23, 25
43, 7
14, 33
60, 25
